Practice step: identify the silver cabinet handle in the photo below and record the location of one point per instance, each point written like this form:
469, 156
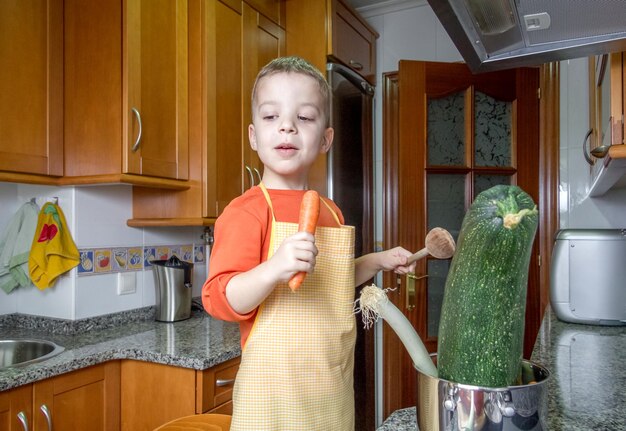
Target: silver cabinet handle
21, 416
258, 174
589, 160
224, 382
356, 65
250, 175
46, 412
138, 140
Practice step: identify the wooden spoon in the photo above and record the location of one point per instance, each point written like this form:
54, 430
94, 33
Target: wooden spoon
439, 244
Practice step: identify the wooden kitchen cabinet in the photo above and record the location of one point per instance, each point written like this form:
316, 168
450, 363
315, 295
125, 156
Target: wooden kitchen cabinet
87, 399
126, 92
322, 30
606, 99
16, 409
31, 89
234, 40
175, 392
607, 104
233, 166
352, 41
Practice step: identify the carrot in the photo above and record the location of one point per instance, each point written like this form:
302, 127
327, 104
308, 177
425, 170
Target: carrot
307, 222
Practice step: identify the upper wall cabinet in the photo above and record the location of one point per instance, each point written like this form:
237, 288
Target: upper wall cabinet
605, 138
126, 92
352, 41
230, 41
31, 87
322, 30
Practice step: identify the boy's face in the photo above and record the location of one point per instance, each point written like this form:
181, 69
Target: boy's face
288, 129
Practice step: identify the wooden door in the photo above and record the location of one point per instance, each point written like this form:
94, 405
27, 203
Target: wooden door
457, 134
88, 399
155, 108
31, 86
16, 409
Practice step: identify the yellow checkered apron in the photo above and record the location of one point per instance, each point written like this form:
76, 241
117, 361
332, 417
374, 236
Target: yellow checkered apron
297, 364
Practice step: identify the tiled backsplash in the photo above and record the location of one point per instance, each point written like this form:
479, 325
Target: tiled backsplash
123, 259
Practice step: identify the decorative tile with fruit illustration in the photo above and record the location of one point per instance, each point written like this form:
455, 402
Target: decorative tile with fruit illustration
135, 258
198, 254
186, 253
162, 253
175, 251
85, 266
102, 260
149, 254
120, 259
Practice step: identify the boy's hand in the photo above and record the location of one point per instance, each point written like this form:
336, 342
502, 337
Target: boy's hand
396, 259
296, 254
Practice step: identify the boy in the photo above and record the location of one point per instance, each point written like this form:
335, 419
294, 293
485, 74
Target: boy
298, 347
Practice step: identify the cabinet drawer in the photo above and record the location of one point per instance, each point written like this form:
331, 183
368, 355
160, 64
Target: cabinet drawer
215, 386
353, 42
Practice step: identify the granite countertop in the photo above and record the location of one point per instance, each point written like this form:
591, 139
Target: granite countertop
200, 342
586, 388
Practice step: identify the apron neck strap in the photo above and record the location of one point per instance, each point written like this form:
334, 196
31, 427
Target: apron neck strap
269, 203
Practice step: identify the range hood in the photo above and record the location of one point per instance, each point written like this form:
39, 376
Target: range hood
502, 34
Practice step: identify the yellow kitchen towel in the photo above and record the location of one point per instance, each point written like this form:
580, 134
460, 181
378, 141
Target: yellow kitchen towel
53, 251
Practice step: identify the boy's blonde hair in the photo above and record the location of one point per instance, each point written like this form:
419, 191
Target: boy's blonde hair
294, 64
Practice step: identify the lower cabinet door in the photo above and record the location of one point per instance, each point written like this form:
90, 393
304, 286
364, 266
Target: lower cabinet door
87, 399
16, 409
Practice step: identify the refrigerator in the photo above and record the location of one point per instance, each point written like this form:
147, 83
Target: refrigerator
351, 186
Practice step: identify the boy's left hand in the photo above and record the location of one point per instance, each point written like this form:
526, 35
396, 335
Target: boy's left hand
396, 259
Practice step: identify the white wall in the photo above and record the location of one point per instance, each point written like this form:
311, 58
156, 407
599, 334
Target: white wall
96, 217
576, 208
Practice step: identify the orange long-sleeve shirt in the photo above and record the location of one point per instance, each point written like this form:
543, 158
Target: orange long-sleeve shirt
242, 237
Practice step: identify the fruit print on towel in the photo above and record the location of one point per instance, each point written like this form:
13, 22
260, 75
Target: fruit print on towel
49, 231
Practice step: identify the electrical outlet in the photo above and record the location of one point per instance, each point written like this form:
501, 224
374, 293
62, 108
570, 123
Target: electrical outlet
126, 283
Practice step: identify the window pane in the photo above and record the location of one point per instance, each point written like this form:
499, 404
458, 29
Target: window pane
446, 130
484, 182
437, 273
492, 134
446, 201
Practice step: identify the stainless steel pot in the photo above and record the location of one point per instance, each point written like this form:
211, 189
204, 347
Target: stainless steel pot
444, 405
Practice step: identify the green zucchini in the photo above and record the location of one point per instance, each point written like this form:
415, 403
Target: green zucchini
481, 329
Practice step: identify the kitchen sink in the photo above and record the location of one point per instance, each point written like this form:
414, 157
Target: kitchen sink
19, 352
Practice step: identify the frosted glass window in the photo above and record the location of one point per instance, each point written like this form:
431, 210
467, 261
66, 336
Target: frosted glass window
446, 201
437, 273
446, 130
492, 126
484, 182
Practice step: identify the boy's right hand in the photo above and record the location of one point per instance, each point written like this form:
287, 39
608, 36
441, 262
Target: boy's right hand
245, 291
296, 254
